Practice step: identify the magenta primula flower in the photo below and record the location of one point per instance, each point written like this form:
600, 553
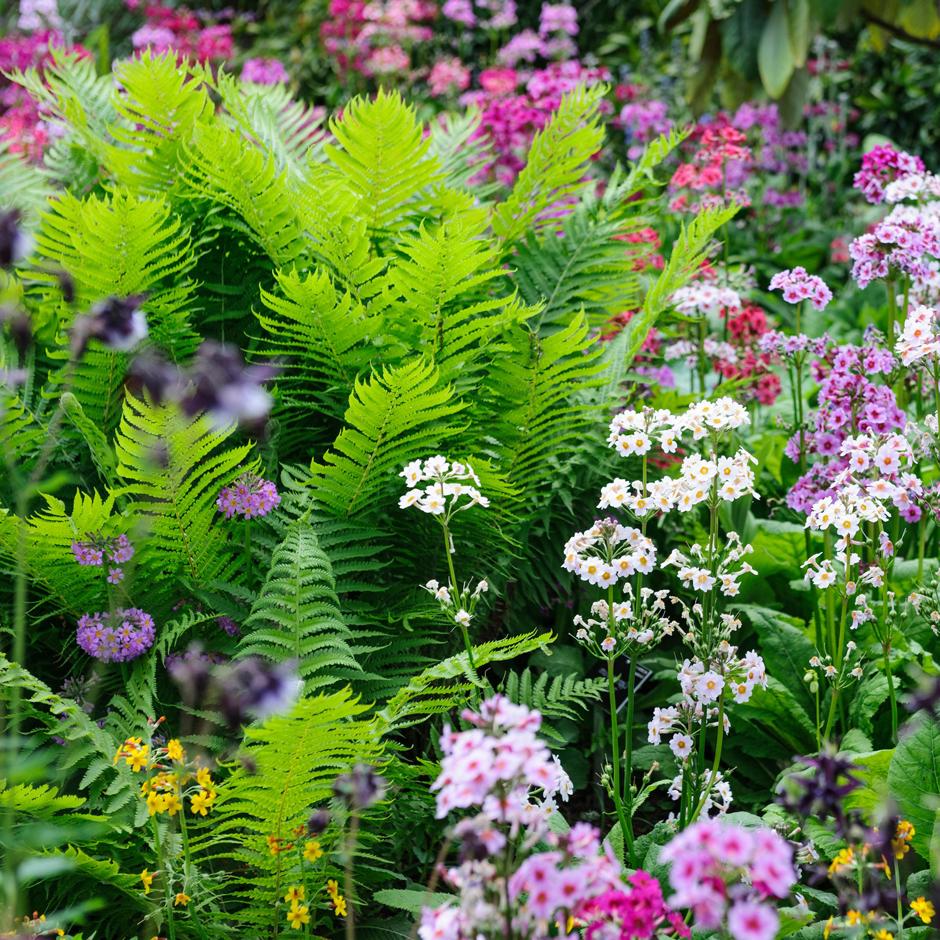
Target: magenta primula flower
116, 637
797, 285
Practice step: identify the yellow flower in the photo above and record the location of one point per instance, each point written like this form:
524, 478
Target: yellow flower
923, 909
900, 844
147, 878
883, 935
312, 851
844, 858
201, 803
339, 905
181, 900
204, 778
854, 918
332, 888
174, 750
156, 802
295, 893
827, 929
136, 758
172, 804
298, 915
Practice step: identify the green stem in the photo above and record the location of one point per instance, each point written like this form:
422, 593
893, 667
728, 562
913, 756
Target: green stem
165, 874
348, 880
454, 593
628, 759
717, 761
615, 748
832, 713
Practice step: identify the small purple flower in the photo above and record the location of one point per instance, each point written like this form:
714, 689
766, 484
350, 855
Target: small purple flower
96, 547
264, 71
798, 285
228, 625
116, 637
249, 496
86, 553
115, 575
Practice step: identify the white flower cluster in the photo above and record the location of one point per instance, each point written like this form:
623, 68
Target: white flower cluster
632, 432
920, 339
718, 799
839, 676
694, 574
713, 417
914, 186
712, 348
447, 484
626, 627
607, 552
461, 608
702, 298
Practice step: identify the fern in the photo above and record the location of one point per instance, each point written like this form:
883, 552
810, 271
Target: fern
22, 185
556, 166
446, 685
461, 153
172, 468
293, 762
324, 337
391, 417
101, 453
383, 157
296, 615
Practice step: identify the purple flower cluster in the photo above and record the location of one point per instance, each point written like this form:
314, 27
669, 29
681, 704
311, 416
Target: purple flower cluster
116, 637
264, 72
899, 242
250, 496
642, 122
797, 286
849, 404
96, 548
228, 625
775, 343
882, 165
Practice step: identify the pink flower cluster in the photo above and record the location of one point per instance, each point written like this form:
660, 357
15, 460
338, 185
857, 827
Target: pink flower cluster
727, 875
883, 165
798, 286
250, 496
116, 637
264, 72
447, 77
180, 30
637, 914
495, 764
899, 242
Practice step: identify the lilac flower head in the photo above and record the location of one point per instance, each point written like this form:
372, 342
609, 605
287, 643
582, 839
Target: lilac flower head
116, 637
264, 72
96, 548
228, 625
558, 18
249, 496
797, 285
460, 11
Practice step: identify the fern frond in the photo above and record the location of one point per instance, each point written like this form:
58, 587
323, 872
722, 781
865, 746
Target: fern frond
173, 498
296, 615
556, 166
23, 186
391, 417
294, 760
447, 684
383, 157
323, 336
101, 453
161, 102
461, 153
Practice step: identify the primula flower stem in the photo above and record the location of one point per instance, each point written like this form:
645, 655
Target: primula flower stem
713, 775
161, 868
615, 760
455, 593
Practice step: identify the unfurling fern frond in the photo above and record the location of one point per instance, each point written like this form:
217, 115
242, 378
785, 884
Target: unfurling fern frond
446, 685
172, 467
323, 335
383, 157
556, 166
296, 615
391, 417
290, 764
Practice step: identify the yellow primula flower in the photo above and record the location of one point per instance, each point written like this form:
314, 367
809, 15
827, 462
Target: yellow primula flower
201, 802
147, 878
181, 899
339, 906
855, 918
900, 844
174, 751
137, 758
312, 850
883, 935
295, 893
172, 804
827, 929
156, 802
844, 858
204, 778
923, 909
332, 888
298, 915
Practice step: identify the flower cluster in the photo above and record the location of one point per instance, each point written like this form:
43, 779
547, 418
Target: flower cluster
798, 286
451, 487
919, 339
728, 876
607, 552
881, 166
184, 32
725, 572
249, 496
93, 551
626, 626
899, 244
116, 636
496, 764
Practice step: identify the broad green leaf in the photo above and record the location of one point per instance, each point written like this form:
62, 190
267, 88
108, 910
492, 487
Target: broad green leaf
775, 59
914, 782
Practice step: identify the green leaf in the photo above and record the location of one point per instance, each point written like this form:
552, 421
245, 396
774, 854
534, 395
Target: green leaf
914, 782
411, 901
775, 60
